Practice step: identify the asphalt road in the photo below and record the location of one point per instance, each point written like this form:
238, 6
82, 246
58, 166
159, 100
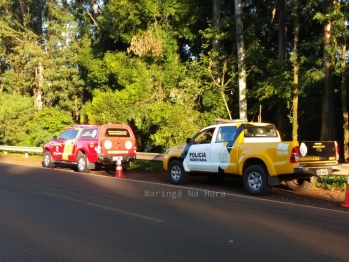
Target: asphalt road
57, 215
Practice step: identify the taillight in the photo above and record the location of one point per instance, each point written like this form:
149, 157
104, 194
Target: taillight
337, 150
294, 158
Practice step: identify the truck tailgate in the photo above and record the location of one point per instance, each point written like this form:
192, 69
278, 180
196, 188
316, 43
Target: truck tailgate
314, 152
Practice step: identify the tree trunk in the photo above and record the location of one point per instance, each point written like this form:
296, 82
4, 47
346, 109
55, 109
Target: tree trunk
40, 10
282, 32
327, 123
344, 96
295, 75
281, 57
217, 23
23, 8
241, 60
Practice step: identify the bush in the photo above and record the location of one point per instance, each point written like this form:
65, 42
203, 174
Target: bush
332, 182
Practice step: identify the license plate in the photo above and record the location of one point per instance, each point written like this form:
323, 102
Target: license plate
116, 158
322, 172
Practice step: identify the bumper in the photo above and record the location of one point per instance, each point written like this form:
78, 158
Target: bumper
315, 171
114, 159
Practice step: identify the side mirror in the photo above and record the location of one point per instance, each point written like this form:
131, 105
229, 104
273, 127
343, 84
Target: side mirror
54, 138
188, 140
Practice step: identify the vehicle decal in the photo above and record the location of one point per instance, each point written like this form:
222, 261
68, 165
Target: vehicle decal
185, 151
117, 152
238, 131
224, 158
282, 149
303, 149
224, 153
68, 148
201, 157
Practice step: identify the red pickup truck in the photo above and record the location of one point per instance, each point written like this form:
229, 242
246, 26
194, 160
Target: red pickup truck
90, 146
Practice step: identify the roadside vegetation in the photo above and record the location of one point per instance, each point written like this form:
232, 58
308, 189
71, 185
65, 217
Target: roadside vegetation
332, 183
170, 67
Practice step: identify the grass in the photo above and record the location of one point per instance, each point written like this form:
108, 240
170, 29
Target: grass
332, 183
21, 154
146, 165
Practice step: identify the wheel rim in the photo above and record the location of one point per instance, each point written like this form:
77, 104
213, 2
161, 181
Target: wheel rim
254, 180
176, 173
81, 164
47, 160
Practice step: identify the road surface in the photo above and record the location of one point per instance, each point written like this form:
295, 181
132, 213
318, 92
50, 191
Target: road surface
56, 215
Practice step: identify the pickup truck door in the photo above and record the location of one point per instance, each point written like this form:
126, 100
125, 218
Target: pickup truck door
58, 145
70, 146
222, 151
198, 157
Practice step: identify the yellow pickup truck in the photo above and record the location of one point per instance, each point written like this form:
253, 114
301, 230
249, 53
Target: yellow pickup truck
253, 151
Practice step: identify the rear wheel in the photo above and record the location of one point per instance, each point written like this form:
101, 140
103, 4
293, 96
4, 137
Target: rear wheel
176, 173
82, 163
298, 185
47, 160
255, 180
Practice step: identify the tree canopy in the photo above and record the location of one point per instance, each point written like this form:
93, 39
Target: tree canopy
170, 67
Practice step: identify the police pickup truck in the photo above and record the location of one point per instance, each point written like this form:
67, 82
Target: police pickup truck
253, 151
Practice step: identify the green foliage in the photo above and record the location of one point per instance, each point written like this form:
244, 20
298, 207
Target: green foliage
47, 123
151, 64
145, 165
332, 183
16, 112
21, 124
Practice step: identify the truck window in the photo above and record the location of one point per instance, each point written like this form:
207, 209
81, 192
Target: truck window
260, 131
64, 135
225, 134
205, 137
73, 134
117, 132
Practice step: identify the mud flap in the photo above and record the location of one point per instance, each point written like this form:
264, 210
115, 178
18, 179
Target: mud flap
273, 180
91, 166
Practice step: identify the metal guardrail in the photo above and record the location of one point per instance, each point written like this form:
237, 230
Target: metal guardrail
344, 168
27, 149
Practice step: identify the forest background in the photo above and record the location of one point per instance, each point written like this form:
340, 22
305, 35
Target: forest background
170, 67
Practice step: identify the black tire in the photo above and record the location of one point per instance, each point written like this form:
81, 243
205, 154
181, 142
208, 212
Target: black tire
176, 173
216, 178
299, 185
47, 160
82, 163
255, 180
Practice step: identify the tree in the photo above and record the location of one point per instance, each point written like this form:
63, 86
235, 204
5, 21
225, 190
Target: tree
296, 66
327, 123
241, 60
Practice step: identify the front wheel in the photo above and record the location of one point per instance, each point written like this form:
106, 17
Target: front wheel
47, 160
298, 185
255, 180
176, 173
82, 163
